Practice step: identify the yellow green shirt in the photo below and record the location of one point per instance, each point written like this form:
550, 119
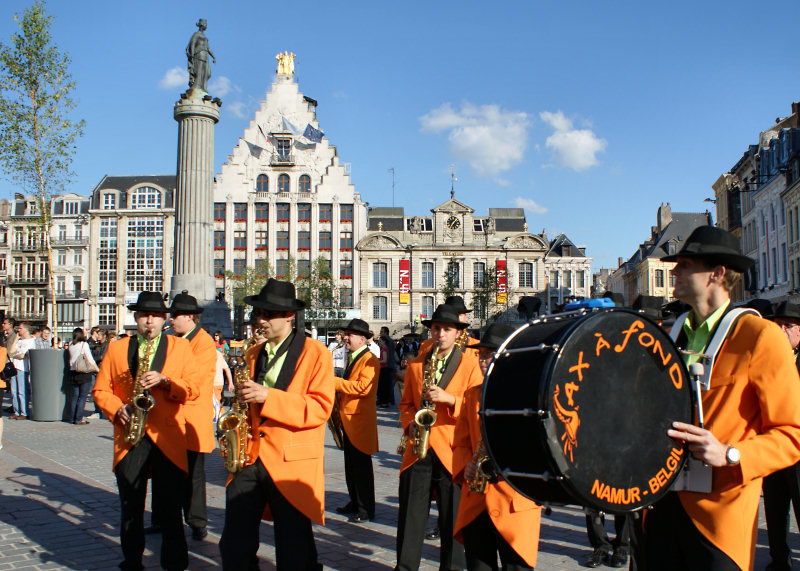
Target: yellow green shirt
142, 343
356, 353
697, 338
272, 374
440, 367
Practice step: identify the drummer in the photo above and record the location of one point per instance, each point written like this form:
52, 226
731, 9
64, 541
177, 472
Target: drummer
512, 529
750, 410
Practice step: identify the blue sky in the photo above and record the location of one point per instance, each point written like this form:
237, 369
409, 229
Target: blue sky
587, 114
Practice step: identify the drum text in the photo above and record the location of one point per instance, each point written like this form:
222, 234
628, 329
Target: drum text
618, 496
663, 475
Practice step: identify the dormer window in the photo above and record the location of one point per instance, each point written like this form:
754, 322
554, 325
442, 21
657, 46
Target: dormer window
109, 201
145, 197
70, 207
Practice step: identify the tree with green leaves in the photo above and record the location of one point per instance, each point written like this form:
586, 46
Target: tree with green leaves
318, 288
37, 130
248, 282
451, 279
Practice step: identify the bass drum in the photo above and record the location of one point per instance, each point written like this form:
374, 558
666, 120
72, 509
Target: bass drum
576, 409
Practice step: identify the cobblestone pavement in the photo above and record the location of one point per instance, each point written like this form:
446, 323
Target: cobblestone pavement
59, 508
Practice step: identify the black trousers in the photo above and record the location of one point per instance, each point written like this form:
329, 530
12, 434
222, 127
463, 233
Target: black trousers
596, 529
360, 478
194, 493
780, 489
245, 498
168, 481
385, 389
673, 542
415, 488
482, 543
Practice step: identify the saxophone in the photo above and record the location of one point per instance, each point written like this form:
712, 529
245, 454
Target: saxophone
461, 340
484, 469
335, 424
425, 417
141, 399
234, 424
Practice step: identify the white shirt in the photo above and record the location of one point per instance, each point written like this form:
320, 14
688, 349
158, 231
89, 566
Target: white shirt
23, 346
75, 352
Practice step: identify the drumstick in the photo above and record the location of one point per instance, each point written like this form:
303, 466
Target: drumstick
696, 370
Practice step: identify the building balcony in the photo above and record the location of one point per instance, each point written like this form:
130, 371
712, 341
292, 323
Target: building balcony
77, 294
281, 159
29, 316
34, 247
27, 280
70, 241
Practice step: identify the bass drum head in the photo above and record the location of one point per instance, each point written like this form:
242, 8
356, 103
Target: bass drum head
608, 395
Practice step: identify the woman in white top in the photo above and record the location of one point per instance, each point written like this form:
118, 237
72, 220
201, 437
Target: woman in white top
19, 356
81, 380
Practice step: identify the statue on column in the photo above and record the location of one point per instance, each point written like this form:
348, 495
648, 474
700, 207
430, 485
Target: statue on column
197, 52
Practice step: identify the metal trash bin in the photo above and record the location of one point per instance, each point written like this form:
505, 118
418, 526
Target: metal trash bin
48, 384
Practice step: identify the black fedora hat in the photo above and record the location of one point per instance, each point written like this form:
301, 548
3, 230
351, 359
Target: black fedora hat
445, 314
785, 310
457, 302
358, 326
185, 303
494, 336
649, 305
763, 306
716, 245
276, 295
617, 298
149, 301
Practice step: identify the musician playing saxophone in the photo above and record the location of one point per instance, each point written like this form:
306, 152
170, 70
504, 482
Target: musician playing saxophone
452, 373
494, 520
290, 398
357, 388
464, 341
171, 378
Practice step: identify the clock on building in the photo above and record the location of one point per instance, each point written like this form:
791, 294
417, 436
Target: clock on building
453, 223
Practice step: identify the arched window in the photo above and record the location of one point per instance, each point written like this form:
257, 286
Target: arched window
283, 183
304, 184
145, 197
262, 183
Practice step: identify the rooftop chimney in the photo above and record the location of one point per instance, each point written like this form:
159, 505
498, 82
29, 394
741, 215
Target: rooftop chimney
664, 216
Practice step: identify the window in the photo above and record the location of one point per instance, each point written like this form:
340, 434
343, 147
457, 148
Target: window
261, 239
282, 240
303, 268
671, 280
659, 278
567, 278
526, 274
262, 183
283, 148
427, 306
283, 183
60, 284
303, 212
71, 313
2, 262
219, 267
477, 225
145, 197
324, 240
282, 268
346, 213
262, 211
219, 239
379, 307
325, 212
784, 261
240, 240
304, 240
61, 258
62, 233
379, 274
454, 273
346, 297
78, 257
554, 278
478, 273
145, 246
346, 240
427, 275
109, 201
346, 269
219, 211
282, 211
581, 277
107, 314
79, 232
70, 207
479, 309
238, 266
240, 212
304, 184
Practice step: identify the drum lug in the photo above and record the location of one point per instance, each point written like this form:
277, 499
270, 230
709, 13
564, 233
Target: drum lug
546, 475
527, 412
540, 347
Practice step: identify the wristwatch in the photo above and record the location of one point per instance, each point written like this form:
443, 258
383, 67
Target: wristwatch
732, 456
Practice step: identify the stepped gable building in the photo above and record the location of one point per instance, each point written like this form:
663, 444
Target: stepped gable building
283, 195
410, 254
644, 273
131, 236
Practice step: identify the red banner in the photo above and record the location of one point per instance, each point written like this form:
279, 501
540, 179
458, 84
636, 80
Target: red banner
405, 281
502, 288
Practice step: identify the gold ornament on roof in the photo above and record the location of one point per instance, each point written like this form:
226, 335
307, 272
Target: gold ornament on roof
380, 226
285, 63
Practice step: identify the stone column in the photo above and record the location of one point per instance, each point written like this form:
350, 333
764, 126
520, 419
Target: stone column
193, 265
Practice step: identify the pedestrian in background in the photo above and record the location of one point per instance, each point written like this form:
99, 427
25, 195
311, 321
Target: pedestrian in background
80, 359
339, 354
19, 356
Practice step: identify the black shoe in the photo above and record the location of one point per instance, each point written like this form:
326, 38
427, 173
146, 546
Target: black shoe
432, 533
347, 509
599, 557
619, 559
358, 518
199, 532
151, 529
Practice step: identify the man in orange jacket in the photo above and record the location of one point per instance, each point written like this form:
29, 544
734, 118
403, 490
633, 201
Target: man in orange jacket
171, 379
290, 397
752, 421
498, 519
452, 373
359, 421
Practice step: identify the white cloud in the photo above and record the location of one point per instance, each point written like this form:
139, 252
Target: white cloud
174, 77
220, 86
573, 148
339, 94
237, 109
490, 139
530, 205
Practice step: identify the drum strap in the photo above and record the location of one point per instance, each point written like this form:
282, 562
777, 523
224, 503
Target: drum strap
718, 337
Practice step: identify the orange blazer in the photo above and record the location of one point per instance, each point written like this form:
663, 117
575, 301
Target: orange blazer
3, 356
289, 427
467, 374
752, 404
199, 413
357, 403
516, 517
165, 425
